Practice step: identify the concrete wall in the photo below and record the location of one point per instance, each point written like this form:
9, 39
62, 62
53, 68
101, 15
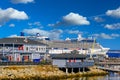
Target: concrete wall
59, 62
72, 64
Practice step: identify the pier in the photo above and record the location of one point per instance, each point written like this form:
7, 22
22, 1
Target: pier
71, 62
109, 65
112, 69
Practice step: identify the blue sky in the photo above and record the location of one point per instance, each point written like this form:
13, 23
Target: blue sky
59, 19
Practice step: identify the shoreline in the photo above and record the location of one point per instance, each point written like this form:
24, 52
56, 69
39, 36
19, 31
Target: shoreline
43, 72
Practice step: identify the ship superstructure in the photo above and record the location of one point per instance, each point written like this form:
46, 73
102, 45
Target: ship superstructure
84, 46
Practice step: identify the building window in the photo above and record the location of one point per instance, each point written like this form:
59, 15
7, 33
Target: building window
26, 48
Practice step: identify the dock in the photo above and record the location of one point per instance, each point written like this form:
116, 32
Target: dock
112, 69
112, 65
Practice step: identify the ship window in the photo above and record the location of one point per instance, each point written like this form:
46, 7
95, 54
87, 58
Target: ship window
39, 49
36, 49
44, 49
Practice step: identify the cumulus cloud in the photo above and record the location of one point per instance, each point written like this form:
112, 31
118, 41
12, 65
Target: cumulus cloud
115, 35
34, 31
98, 19
21, 1
74, 32
53, 34
10, 13
14, 35
71, 19
35, 24
106, 36
113, 26
12, 25
114, 13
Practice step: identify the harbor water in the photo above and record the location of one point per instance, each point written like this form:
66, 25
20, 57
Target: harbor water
113, 53
110, 76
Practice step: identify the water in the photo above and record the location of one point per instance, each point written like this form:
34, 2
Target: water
114, 53
110, 76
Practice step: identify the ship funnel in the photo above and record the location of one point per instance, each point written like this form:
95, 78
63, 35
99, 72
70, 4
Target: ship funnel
22, 34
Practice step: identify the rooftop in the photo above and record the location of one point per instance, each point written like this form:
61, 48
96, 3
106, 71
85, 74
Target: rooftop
68, 56
19, 40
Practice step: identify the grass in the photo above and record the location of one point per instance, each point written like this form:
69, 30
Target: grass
42, 72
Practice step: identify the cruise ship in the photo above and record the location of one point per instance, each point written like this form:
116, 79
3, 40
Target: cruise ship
87, 46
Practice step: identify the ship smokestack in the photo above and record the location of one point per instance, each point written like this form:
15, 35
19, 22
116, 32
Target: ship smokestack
22, 34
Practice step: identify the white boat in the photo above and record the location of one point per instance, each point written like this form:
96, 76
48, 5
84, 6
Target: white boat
83, 46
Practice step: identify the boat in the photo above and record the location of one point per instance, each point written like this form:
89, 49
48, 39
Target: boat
87, 46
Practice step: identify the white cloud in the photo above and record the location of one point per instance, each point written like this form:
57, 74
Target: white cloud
21, 1
115, 35
106, 36
12, 25
72, 19
14, 35
10, 13
98, 19
102, 35
114, 13
113, 26
53, 34
75, 19
74, 32
34, 24
33, 31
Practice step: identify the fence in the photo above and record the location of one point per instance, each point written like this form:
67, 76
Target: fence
24, 63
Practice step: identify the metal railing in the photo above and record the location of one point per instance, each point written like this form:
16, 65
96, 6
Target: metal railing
79, 64
24, 63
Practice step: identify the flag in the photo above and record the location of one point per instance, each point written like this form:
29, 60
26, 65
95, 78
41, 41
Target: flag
20, 48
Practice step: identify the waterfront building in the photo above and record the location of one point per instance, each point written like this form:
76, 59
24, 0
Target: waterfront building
71, 61
21, 49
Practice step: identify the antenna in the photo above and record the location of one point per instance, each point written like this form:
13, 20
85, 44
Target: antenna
93, 45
